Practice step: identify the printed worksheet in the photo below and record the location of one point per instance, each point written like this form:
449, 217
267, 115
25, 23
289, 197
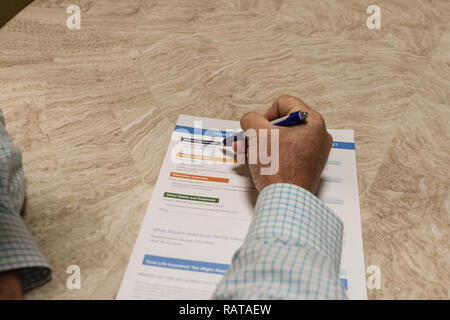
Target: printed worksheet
202, 206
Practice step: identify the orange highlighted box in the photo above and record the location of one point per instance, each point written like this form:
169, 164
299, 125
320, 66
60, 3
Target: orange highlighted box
201, 157
195, 177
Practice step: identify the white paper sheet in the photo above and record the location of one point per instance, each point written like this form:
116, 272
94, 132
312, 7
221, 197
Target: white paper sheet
201, 208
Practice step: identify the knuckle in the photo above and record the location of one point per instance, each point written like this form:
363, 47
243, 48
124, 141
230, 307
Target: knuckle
319, 120
329, 140
292, 102
246, 117
284, 99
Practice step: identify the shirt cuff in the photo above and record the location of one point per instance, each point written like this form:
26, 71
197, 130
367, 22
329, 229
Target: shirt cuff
294, 215
19, 251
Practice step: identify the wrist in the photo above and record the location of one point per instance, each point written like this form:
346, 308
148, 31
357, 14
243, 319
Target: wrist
307, 184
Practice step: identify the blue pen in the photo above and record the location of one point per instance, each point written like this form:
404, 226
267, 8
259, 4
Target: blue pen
291, 119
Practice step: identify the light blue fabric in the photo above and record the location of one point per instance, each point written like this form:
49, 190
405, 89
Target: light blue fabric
17, 248
292, 250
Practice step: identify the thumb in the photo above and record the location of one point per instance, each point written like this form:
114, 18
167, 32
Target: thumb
254, 120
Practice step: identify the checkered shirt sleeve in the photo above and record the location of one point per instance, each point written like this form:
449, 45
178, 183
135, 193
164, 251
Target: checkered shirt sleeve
17, 247
292, 250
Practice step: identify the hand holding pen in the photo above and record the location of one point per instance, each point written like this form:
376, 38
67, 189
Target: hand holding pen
303, 149
291, 119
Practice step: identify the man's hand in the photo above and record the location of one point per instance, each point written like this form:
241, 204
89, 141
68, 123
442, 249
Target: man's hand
303, 149
10, 285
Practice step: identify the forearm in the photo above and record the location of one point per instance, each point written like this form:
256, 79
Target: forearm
292, 250
18, 251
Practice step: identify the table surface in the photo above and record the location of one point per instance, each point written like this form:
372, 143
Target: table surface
93, 110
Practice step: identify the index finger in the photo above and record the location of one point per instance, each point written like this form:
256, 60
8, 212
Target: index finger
285, 105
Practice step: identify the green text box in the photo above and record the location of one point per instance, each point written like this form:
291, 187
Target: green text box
190, 197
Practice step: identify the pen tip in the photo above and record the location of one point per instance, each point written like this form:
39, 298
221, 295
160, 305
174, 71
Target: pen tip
303, 115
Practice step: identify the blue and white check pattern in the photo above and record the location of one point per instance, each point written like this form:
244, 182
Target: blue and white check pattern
17, 248
292, 250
